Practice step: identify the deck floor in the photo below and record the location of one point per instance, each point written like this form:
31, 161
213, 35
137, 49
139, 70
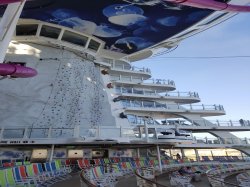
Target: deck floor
127, 182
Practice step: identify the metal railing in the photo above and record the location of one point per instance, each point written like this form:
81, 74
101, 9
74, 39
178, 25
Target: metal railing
140, 120
83, 134
153, 104
131, 68
205, 140
135, 79
217, 177
130, 90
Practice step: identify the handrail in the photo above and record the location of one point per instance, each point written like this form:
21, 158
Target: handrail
130, 68
209, 176
153, 104
135, 79
130, 90
222, 181
150, 181
88, 183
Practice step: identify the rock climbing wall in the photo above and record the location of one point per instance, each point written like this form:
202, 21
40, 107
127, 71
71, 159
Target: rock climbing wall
67, 93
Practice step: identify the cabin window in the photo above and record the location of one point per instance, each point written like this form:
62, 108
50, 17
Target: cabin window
74, 38
50, 32
26, 30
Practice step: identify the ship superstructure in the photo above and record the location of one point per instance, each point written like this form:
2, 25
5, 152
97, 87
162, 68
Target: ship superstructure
88, 95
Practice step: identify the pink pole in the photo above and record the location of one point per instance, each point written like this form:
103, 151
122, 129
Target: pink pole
213, 5
16, 70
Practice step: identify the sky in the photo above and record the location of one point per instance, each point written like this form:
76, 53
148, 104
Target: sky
224, 81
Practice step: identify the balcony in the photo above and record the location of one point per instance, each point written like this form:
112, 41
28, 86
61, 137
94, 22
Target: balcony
80, 135
204, 125
177, 97
140, 82
152, 106
123, 69
216, 141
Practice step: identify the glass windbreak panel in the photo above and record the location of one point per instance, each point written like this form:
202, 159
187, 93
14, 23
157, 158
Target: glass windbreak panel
148, 104
126, 78
136, 103
176, 153
13, 133
137, 79
190, 154
150, 121
94, 45
149, 92
131, 118
39, 133
130, 133
118, 89
74, 38
167, 152
114, 78
136, 91
219, 152
126, 90
62, 133
137, 132
160, 105
50, 32
151, 133
205, 154
140, 120
233, 152
26, 30
125, 103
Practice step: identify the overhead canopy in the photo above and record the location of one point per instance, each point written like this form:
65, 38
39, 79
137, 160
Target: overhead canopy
126, 26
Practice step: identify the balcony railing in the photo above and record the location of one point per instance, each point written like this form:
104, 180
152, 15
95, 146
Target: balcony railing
205, 140
101, 133
123, 90
153, 104
135, 79
159, 81
139, 120
229, 123
131, 68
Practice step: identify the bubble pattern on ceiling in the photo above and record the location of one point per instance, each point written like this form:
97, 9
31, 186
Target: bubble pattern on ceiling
126, 26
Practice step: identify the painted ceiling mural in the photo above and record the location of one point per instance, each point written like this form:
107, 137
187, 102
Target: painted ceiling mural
126, 26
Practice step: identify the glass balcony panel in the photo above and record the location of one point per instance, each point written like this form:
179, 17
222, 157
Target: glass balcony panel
136, 103
149, 92
131, 118
160, 105
125, 103
118, 89
62, 133
13, 133
136, 91
39, 133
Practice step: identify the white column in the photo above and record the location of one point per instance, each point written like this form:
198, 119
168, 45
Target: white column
182, 153
51, 153
1, 133
8, 25
146, 131
197, 155
138, 152
76, 131
159, 157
